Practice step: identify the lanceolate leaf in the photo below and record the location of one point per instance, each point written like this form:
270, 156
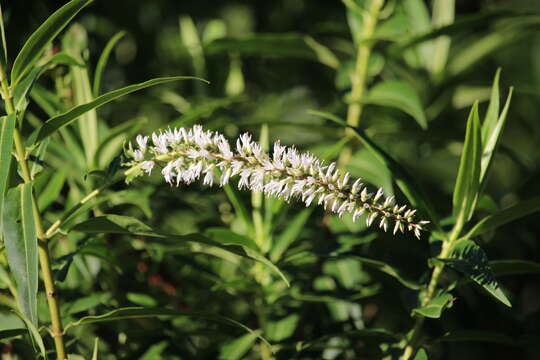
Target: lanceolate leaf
140, 312
505, 216
7, 125
115, 224
71, 115
468, 177
22, 248
491, 137
3, 49
37, 42
471, 260
102, 62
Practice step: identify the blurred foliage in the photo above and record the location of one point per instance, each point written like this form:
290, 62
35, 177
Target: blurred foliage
273, 68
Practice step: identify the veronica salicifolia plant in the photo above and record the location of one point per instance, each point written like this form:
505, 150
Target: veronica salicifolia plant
185, 155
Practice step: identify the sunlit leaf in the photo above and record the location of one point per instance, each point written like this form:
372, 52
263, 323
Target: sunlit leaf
435, 307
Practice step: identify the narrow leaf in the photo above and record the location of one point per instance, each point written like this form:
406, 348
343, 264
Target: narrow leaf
37, 42
468, 177
514, 267
290, 234
505, 216
3, 50
400, 95
140, 313
477, 336
491, 140
22, 248
69, 116
115, 224
103, 59
7, 125
471, 260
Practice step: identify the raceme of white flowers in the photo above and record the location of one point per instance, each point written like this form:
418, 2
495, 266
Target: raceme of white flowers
187, 154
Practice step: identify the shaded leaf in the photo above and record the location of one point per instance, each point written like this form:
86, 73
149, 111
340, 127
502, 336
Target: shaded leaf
71, 115
140, 313
37, 42
514, 267
290, 234
236, 349
505, 216
421, 354
103, 59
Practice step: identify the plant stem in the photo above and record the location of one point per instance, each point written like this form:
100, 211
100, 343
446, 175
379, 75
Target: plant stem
358, 78
43, 248
430, 291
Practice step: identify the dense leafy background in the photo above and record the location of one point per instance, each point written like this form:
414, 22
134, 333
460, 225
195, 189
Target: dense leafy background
339, 306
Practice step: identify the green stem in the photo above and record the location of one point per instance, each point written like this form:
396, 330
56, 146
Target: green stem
430, 292
358, 78
43, 249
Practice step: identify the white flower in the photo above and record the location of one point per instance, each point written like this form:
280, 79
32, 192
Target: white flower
187, 154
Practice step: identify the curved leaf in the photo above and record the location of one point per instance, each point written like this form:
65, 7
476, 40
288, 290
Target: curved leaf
435, 307
141, 312
37, 42
400, 95
505, 216
102, 62
71, 115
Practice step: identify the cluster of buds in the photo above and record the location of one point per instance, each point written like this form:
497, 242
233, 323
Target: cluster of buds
186, 155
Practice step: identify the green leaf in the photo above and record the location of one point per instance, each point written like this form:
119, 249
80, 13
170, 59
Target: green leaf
75, 43
141, 312
471, 260
435, 307
468, 177
22, 247
7, 126
25, 85
492, 114
71, 115
290, 234
234, 243
275, 46
37, 42
491, 136
385, 268
155, 351
505, 216
421, 354
52, 191
34, 333
236, 349
103, 59
282, 329
400, 95
227, 237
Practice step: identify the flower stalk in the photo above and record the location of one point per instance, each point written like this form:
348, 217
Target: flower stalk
186, 155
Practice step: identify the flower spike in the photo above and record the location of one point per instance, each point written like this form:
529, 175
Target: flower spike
187, 154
